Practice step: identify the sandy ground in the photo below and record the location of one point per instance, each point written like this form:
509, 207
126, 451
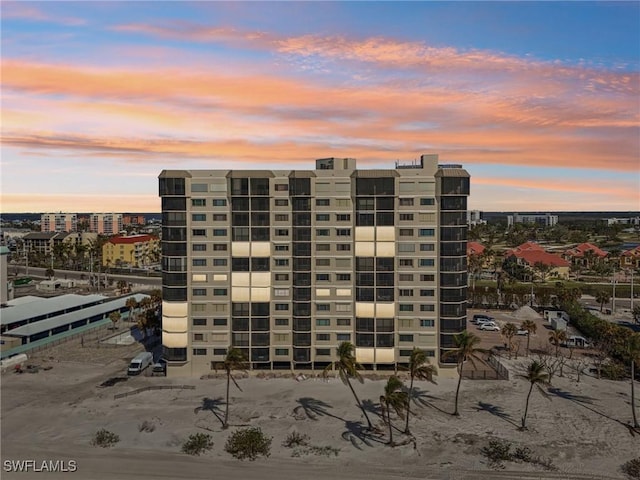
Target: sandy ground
581, 428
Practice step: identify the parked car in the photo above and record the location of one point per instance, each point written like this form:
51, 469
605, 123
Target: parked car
522, 332
139, 363
490, 326
479, 318
159, 368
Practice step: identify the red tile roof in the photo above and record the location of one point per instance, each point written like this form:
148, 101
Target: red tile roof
131, 239
581, 249
525, 247
475, 248
634, 252
533, 256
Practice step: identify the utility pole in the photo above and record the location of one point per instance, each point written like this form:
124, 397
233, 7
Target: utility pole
631, 291
613, 301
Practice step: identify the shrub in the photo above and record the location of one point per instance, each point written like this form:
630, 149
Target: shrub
104, 438
248, 443
497, 451
631, 468
295, 439
326, 451
197, 443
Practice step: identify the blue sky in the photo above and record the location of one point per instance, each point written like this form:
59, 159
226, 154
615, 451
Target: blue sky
538, 100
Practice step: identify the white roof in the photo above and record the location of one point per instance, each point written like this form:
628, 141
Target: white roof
67, 318
21, 300
43, 306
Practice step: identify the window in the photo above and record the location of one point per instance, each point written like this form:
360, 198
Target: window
323, 351
406, 353
343, 247
198, 307
322, 202
405, 277
343, 217
424, 322
281, 187
405, 292
282, 351
281, 248
199, 187
199, 292
281, 202
406, 216
198, 217
322, 322
219, 232
281, 262
199, 232
322, 217
219, 262
219, 322
427, 308
199, 322
343, 202
343, 322
406, 307
282, 322
322, 232
219, 351
323, 307
323, 247
427, 201
281, 277
406, 232
220, 292
282, 217
343, 232
282, 232
199, 247
426, 232
405, 338
323, 262
427, 278
427, 293
427, 262
219, 217
427, 247
219, 202
281, 292
198, 202
281, 307
406, 247
343, 277
343, 337
405, 322
322, 277
219, 247
343, 307
199, 351
406, 262
199, 262
406, 202
198, 337
219, 308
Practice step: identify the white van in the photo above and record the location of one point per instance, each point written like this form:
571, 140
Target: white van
140, 362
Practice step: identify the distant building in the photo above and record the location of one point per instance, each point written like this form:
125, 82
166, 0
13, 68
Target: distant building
106, 223
542, 219
474, 217
623, 221
44, 242
58, 222
133, 220
630, 258
580, 255
133, 251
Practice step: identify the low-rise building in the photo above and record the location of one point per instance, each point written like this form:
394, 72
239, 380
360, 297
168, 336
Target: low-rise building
530, 254
585, 254
135, 251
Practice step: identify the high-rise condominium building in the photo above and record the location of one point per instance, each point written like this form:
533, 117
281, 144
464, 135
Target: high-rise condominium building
58, 222
105, 223
286, 265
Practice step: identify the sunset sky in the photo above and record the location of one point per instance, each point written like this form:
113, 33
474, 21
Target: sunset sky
539, 101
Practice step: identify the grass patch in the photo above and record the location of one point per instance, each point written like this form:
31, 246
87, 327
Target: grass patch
500, 451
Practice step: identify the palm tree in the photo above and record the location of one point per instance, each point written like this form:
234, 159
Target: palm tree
633, 348
348, 368
556, 337
234, 360
466, 349
418, 368
509, 331
115, 318
531, 327
393, 398
535, 376
131, 304
602, 297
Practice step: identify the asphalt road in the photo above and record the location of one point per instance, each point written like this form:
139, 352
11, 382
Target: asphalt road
72, 274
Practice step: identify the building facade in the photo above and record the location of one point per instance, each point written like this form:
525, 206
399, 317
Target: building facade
137, 251
285, 265
58, 222
105, 223
542, 219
